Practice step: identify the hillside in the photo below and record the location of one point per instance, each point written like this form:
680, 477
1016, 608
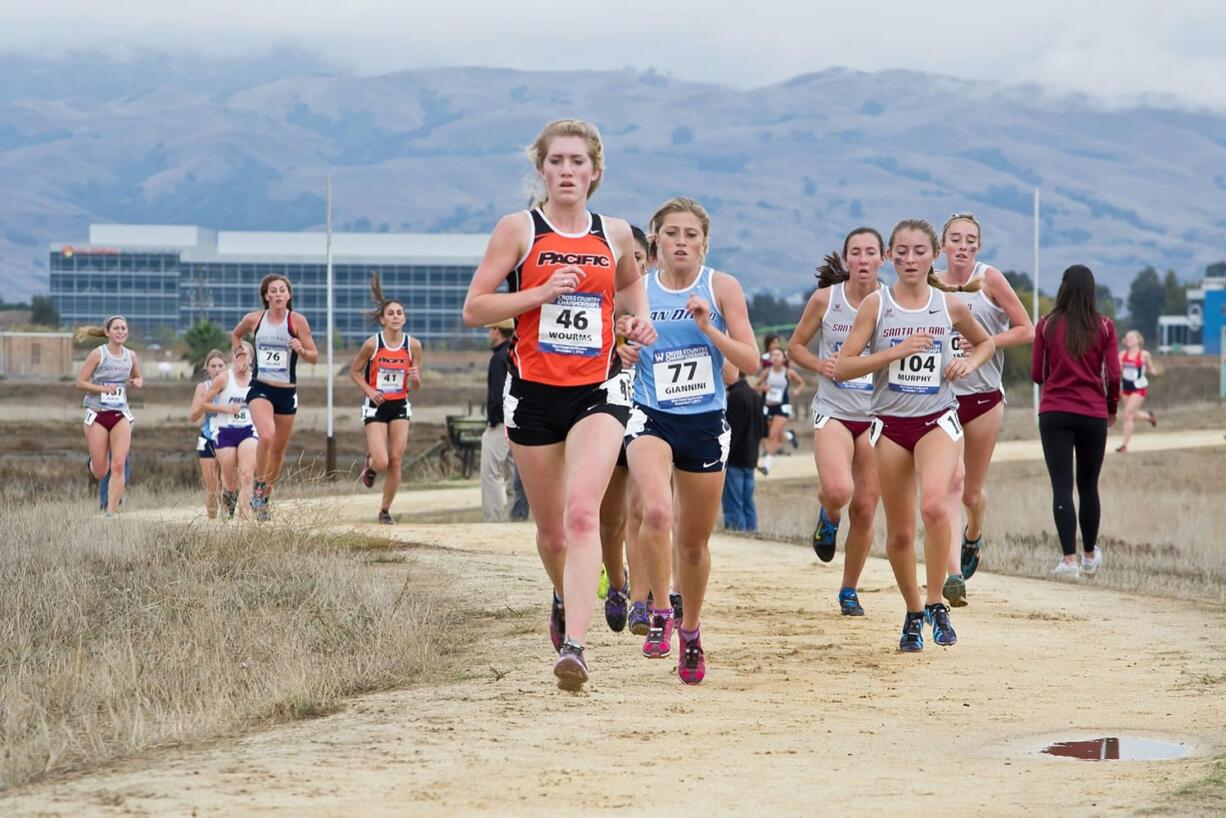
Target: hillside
785, 169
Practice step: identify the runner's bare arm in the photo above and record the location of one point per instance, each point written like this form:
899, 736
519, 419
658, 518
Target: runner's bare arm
631, 292
738, 345
483, 304
418, 360
357, 370
982, 345
244, 326
1151, 363
87, 370
137, 379
1021, 330
806, 329
214, 389
302, 342
196, 412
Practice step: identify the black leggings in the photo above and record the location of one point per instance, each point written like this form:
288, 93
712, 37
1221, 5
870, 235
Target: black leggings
1063, 433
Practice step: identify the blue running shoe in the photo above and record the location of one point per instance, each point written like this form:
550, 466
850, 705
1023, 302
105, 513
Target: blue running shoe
616, 605
942, 629
912, 640
849, 603
640, 619
823, 536
970, 554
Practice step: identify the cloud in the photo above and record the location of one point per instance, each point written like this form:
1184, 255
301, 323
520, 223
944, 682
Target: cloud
1138, 47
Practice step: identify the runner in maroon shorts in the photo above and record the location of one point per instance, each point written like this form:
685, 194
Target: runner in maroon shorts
846, 468
907, 330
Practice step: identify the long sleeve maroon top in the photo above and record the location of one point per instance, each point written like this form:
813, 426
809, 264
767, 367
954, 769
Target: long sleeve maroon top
1089, 385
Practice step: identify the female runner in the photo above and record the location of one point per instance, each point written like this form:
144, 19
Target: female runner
677, 437
203, 412
108, 421
618, 543
908, 329
236, 440
991, 300
1135, 364
775, 382
282, 336
387, 368
846, 467
565, 406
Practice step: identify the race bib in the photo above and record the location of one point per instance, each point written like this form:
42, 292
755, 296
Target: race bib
369, 410
242, 417
774, 394
1131, 372
864, 383
116, 399
955, 346
919, 373
683, 376
820, 421
201, 443
619, 388
90, 417
875, 428
572, 325
951, 425
390, 380
273, 358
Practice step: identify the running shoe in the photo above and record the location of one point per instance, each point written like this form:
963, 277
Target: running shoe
640, 619
570, 668
792, 439
385, 518
942, 629
368, 474
602, 587
912, 640
659, 641
955, 591
849, 603
1067, 570
674, 599
692, 661
823, 536
259, 507
1091, 564
1122, 449
1153, 419
764, 470
557, 622
616, 603
230, 499
970, 554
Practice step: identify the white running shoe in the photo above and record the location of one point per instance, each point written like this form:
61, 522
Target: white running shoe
1090, 563
1070, 570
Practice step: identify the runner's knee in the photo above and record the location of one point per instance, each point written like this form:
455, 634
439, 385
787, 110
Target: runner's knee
900, 542
582, 517
838, 493
657, 514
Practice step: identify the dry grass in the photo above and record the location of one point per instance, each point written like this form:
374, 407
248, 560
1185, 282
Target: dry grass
127, 634
1160, 532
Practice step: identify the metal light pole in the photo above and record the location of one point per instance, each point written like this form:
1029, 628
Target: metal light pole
330, 457
1035, 306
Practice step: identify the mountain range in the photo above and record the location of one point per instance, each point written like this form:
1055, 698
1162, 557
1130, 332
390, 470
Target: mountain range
785, 170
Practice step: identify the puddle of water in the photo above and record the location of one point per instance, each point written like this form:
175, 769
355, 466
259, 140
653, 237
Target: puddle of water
1118, 748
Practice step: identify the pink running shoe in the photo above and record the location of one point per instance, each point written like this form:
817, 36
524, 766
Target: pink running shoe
659, 641
368, 474
692, 663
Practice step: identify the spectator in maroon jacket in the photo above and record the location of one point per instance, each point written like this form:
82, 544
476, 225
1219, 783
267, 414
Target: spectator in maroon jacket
1075, 360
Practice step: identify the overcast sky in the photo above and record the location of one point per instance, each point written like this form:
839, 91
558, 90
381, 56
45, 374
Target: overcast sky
1175, 47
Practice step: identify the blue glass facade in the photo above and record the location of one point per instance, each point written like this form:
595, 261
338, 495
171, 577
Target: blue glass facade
158, 289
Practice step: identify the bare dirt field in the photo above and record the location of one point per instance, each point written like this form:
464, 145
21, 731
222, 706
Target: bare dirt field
803, 712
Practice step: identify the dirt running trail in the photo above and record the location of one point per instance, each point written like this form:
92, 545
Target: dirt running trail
803, 712
801, 466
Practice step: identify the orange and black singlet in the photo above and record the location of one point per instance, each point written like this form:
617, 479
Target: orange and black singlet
570, 341
387, 371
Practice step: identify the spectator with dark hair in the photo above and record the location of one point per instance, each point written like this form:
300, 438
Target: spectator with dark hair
747, 419
1075, 361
